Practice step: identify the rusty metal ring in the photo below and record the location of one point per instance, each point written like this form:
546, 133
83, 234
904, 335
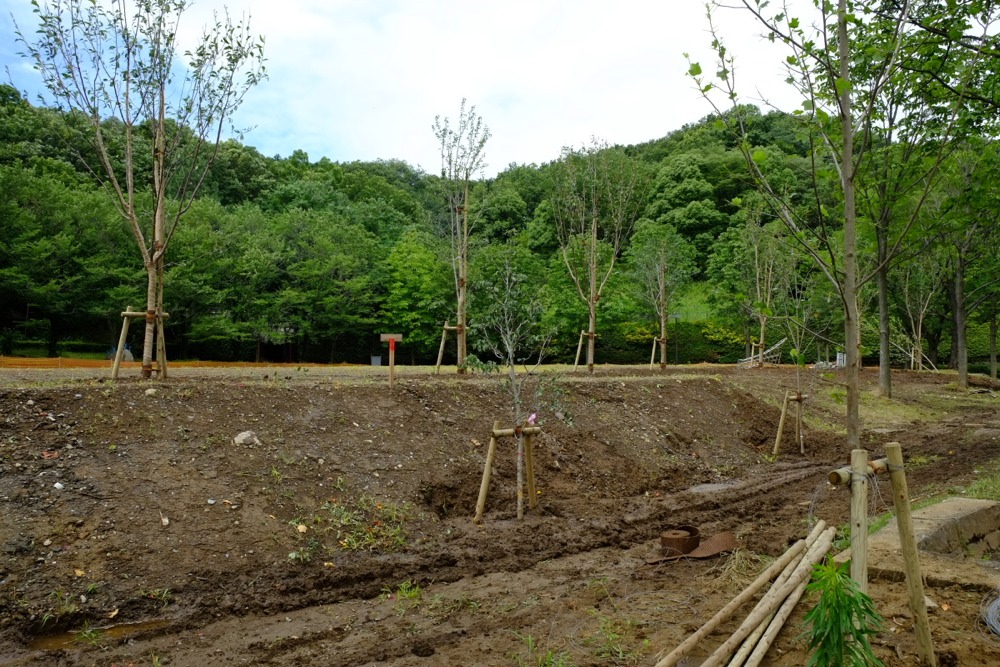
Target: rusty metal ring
679, 540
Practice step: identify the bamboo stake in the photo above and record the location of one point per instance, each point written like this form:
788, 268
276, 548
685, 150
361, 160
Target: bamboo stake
579, 348
509, 432
776, 597
778, 621
484, 487
781, 426
119, 353
777, 566
520, 477
161, 349
800, 399
859, 519
652, 355
751, 641
444, 338
914, 580
529, 451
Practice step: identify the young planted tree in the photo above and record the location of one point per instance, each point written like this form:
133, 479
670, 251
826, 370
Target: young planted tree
116, 68
462, 157
840, 64
596, 199
661, 261
509, 325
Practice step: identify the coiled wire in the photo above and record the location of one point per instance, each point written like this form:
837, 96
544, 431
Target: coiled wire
989, 617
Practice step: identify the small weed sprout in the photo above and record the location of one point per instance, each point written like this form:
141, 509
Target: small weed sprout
89, 635
161, 595
534, 658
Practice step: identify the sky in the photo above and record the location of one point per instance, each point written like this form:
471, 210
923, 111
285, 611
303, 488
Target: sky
364, 79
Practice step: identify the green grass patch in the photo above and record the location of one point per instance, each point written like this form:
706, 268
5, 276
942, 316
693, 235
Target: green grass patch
987, 485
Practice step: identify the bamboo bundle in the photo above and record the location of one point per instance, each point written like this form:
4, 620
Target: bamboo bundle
791, 573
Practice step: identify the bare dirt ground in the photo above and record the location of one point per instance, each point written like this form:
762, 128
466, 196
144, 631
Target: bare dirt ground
136, 532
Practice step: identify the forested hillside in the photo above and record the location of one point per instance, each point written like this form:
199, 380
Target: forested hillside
295, 259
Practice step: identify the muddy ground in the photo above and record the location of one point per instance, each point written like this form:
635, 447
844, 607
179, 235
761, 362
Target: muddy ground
137, 532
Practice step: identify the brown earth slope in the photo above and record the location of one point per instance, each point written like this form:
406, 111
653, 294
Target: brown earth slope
136, 531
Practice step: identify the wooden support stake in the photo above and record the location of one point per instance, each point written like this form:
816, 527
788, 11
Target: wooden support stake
781, 425
444, 338
799, 400
579, 348
652, 355
529, 460
842, 476
161, 348
126, 320
859, 519
510, 432
487, 471
520, 477
914, 580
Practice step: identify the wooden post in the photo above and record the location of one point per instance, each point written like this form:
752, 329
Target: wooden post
392, 362
484, 487
161, 348
914, 580
781, 425
520, 473
799, 399
579, 348
444, 338
859, 519
392, 340
121, 344
652, 355
529, 460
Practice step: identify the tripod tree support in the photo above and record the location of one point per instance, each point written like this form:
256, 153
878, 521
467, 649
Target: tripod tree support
528, 433
161, 346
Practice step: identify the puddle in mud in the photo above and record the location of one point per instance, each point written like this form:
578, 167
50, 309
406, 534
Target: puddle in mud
711, 488
66, 640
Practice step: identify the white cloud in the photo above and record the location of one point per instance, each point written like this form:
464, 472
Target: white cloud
361, 80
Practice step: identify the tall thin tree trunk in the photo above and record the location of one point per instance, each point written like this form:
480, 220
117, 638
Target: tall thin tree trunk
958, 342
852, 350
663, 335
592, 269
154, 267
882, 279
993, 344
763, 330
463, 281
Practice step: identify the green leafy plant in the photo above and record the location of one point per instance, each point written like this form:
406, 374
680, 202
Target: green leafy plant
839, 626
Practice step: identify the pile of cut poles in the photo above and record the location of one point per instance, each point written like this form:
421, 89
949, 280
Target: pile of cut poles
751, 641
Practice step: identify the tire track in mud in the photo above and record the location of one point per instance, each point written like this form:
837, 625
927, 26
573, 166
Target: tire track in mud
501, 548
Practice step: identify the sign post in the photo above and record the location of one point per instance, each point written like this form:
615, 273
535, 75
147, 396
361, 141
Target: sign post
392, 338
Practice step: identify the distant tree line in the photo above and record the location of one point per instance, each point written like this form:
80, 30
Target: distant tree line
288, 259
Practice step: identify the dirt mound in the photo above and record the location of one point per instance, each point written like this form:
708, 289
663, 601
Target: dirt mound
132, 503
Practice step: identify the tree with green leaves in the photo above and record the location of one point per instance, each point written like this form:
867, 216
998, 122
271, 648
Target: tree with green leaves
462, 157
840, 92
117, 67
661, 261
597, 196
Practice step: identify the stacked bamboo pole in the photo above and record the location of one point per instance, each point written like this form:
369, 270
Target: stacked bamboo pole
791, 573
